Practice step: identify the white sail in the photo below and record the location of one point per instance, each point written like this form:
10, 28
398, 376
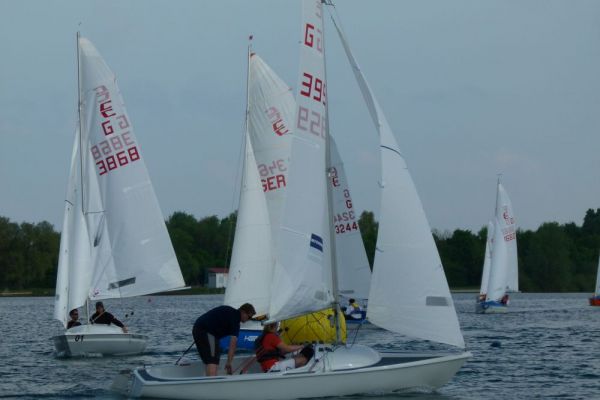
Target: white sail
597, 291
409, 293
132, 253
485, 275
302, 279
354, 277
252, 255
271, 108
74, 264
506, 218
498, 267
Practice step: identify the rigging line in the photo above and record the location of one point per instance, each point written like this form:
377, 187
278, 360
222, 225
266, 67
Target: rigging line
241, 153
389, 148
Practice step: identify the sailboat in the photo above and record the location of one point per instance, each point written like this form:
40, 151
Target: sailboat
500, 270
408, 292
595, 299
269, 116
114, 242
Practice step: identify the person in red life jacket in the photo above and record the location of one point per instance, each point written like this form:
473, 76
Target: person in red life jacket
101, 316
74, 314
271, 350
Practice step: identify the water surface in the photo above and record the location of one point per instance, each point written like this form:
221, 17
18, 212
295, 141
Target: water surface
547, 346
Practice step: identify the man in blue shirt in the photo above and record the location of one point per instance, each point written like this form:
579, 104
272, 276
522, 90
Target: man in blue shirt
215, 324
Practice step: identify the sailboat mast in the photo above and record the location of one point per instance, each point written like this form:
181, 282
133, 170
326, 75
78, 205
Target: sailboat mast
329, 174
497, 191
80, 121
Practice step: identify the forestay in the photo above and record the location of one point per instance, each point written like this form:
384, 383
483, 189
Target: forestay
132, 254
506, 219
302, 279
409, 293
252, 256
485, 275
354, 273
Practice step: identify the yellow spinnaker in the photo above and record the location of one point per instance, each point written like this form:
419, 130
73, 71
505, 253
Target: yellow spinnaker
316, 327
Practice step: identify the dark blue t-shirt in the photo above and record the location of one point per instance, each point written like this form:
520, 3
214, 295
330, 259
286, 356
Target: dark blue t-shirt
220, 322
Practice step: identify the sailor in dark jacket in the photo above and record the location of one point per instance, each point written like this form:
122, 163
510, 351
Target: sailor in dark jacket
103, 317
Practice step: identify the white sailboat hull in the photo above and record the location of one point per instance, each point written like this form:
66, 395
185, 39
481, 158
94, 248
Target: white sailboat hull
330, 376
98, 339
494, 308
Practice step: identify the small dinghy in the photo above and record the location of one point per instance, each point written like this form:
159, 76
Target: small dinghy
114, 242
500, 267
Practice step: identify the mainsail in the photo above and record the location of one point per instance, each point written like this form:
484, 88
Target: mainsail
409, 293
128, 246
302, 280
506, 218
271, 108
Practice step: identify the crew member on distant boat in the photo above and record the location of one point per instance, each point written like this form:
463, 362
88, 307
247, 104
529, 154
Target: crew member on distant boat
504, 299
215, 324
101, 316
353, 311
74, 314
271, 350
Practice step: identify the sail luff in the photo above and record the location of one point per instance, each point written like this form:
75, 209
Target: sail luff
406, 254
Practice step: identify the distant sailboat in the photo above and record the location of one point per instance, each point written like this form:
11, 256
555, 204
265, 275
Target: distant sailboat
500, 269
595, 299
114, 242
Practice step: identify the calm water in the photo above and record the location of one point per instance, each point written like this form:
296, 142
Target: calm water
546, 347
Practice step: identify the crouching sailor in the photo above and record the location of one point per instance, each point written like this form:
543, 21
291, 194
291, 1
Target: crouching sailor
271, 350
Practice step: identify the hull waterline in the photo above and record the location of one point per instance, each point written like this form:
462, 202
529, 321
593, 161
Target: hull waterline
491, 307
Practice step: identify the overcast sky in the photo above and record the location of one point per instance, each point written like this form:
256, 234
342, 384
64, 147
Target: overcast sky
470, 88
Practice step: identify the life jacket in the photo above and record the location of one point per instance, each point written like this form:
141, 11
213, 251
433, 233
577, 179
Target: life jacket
263, 355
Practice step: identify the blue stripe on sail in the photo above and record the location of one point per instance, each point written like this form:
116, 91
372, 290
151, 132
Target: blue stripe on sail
316, 242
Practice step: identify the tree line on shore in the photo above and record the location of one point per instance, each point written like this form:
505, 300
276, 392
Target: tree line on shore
554, 258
